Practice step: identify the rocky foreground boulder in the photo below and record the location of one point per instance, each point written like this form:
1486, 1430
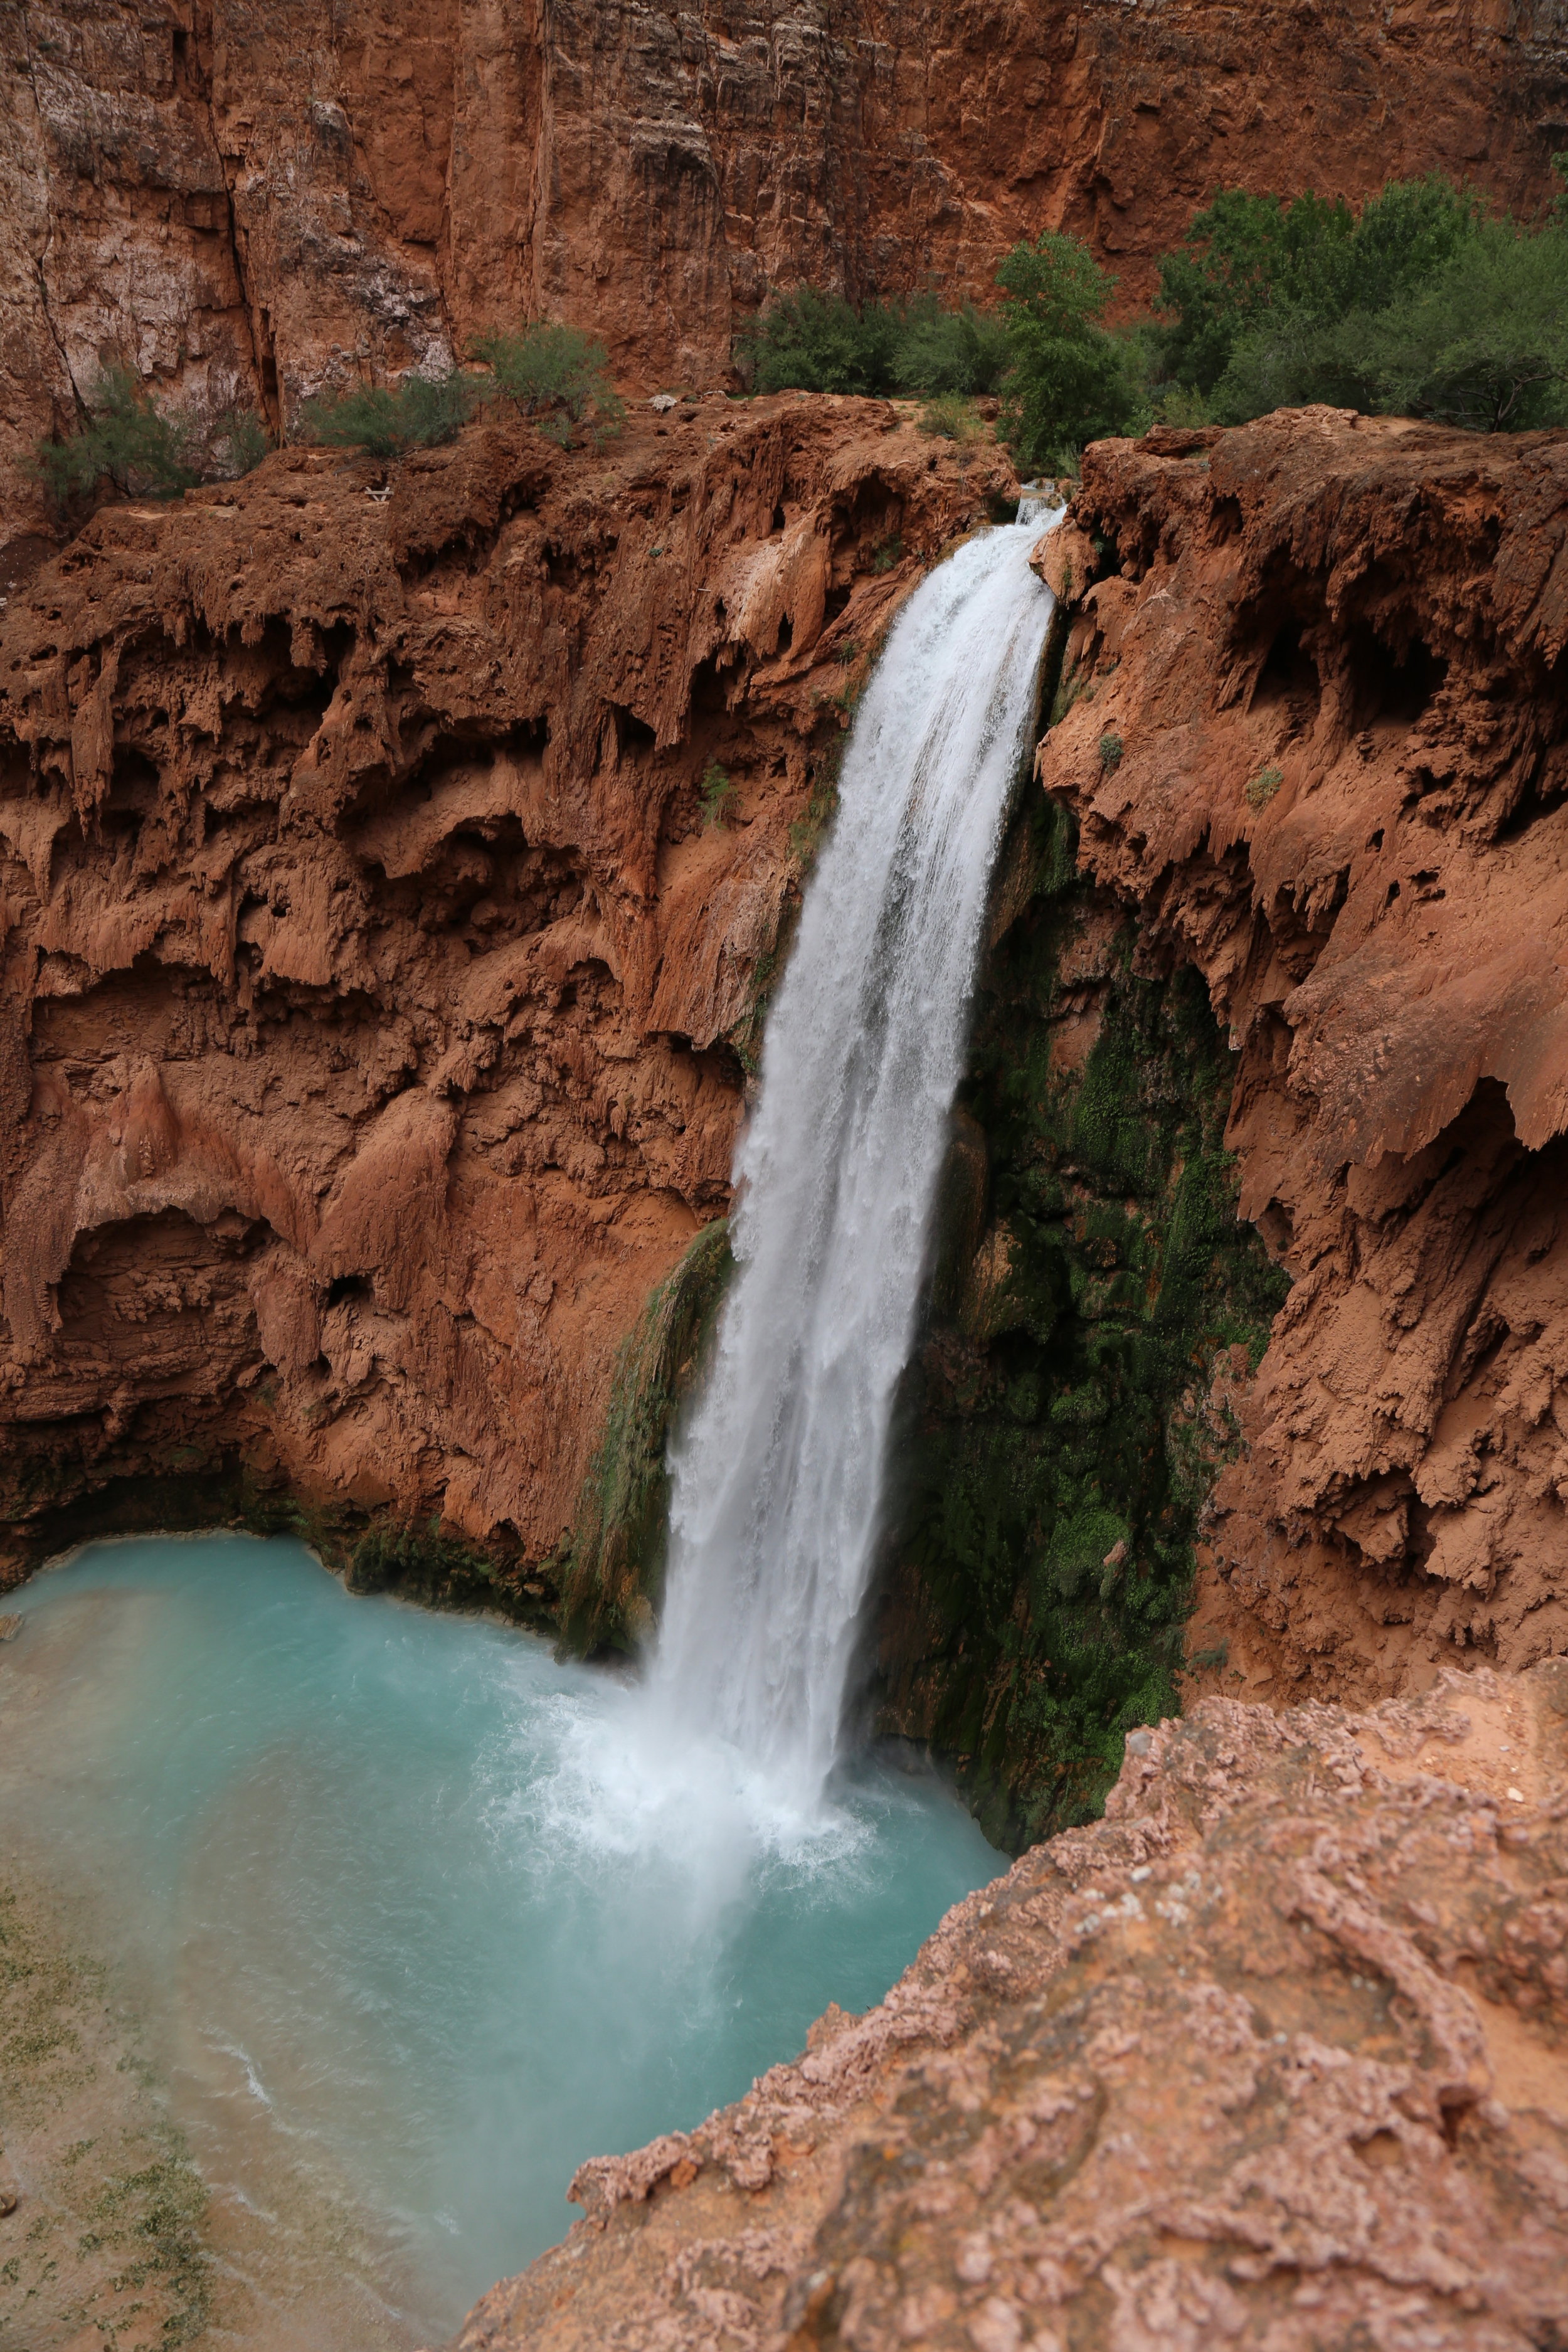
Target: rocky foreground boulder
1275, 2054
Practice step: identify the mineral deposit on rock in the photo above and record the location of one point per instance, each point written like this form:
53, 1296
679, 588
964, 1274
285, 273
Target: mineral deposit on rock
1329, 648
372, 964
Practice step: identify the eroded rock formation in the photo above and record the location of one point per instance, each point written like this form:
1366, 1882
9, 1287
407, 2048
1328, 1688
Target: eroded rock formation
1274, 2055
1317, 743
247, 199
376, 983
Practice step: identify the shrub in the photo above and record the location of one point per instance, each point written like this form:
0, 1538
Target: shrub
950, 418
1486, 345
808, 341
1248, 262
1111, 751
239, 441
125, 439
1263, 787
947, 353
718, 794
811, 342
388, 421
557, 372
1421, 305
1071, 380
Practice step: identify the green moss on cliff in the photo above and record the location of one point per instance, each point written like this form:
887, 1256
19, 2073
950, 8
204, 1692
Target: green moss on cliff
614, 1563
1070, 1419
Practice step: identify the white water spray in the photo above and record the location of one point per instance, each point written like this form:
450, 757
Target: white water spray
777, 1479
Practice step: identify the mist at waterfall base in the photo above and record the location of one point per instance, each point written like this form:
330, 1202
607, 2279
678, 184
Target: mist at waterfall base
400, 1967
436, 1915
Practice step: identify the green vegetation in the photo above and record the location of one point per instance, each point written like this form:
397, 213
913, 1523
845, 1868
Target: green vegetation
718, 795
811, 342
615, 1562
1263, 787
239, 442
950, 418
388, 420
125, 439
1062, 1442
1110, 749
1422, 305
558, 373
128, 441
1425, 303
1070, 381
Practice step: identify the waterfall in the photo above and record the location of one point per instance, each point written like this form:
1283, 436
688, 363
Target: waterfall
1035, 502
777, 1476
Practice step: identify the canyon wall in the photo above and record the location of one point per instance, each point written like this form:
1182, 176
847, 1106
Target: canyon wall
1313, 727
392, 865
247, 200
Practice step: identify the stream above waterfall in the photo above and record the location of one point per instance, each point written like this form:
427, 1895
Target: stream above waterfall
399, 1975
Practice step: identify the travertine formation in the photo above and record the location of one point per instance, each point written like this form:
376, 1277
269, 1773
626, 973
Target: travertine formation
1275, 2055
1318, 742
375, 970
250, 199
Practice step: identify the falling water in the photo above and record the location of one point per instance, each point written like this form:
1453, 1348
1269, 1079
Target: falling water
778, 1480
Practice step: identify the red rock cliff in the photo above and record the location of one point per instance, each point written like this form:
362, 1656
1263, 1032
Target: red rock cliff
369, 964
249, 198
1319, 742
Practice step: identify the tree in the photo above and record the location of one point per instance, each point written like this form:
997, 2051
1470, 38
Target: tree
125, 440
1070, 381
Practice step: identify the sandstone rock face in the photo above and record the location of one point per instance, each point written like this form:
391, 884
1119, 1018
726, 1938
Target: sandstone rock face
1317, 741
249, 199
370, 962
1276, 2054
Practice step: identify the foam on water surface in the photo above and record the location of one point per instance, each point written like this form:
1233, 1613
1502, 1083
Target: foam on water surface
409, 1926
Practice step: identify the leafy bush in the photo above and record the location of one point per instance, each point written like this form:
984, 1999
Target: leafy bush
810, 342
718, 797
239, 441
1248, 262
1421, 306
1071, 380
949, 353
1484, 346
554, 372
389, 420
950, 417
126, 440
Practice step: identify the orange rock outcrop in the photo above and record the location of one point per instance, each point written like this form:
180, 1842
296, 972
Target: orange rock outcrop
1317, 743
373, 968
1276, 2055
247, 199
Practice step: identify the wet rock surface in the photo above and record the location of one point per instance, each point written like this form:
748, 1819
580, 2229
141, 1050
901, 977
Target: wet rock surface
1309, 724
1275, 2054
374, 971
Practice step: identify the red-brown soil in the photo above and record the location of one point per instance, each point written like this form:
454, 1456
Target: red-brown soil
372, 974
247, 199
1319, 744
